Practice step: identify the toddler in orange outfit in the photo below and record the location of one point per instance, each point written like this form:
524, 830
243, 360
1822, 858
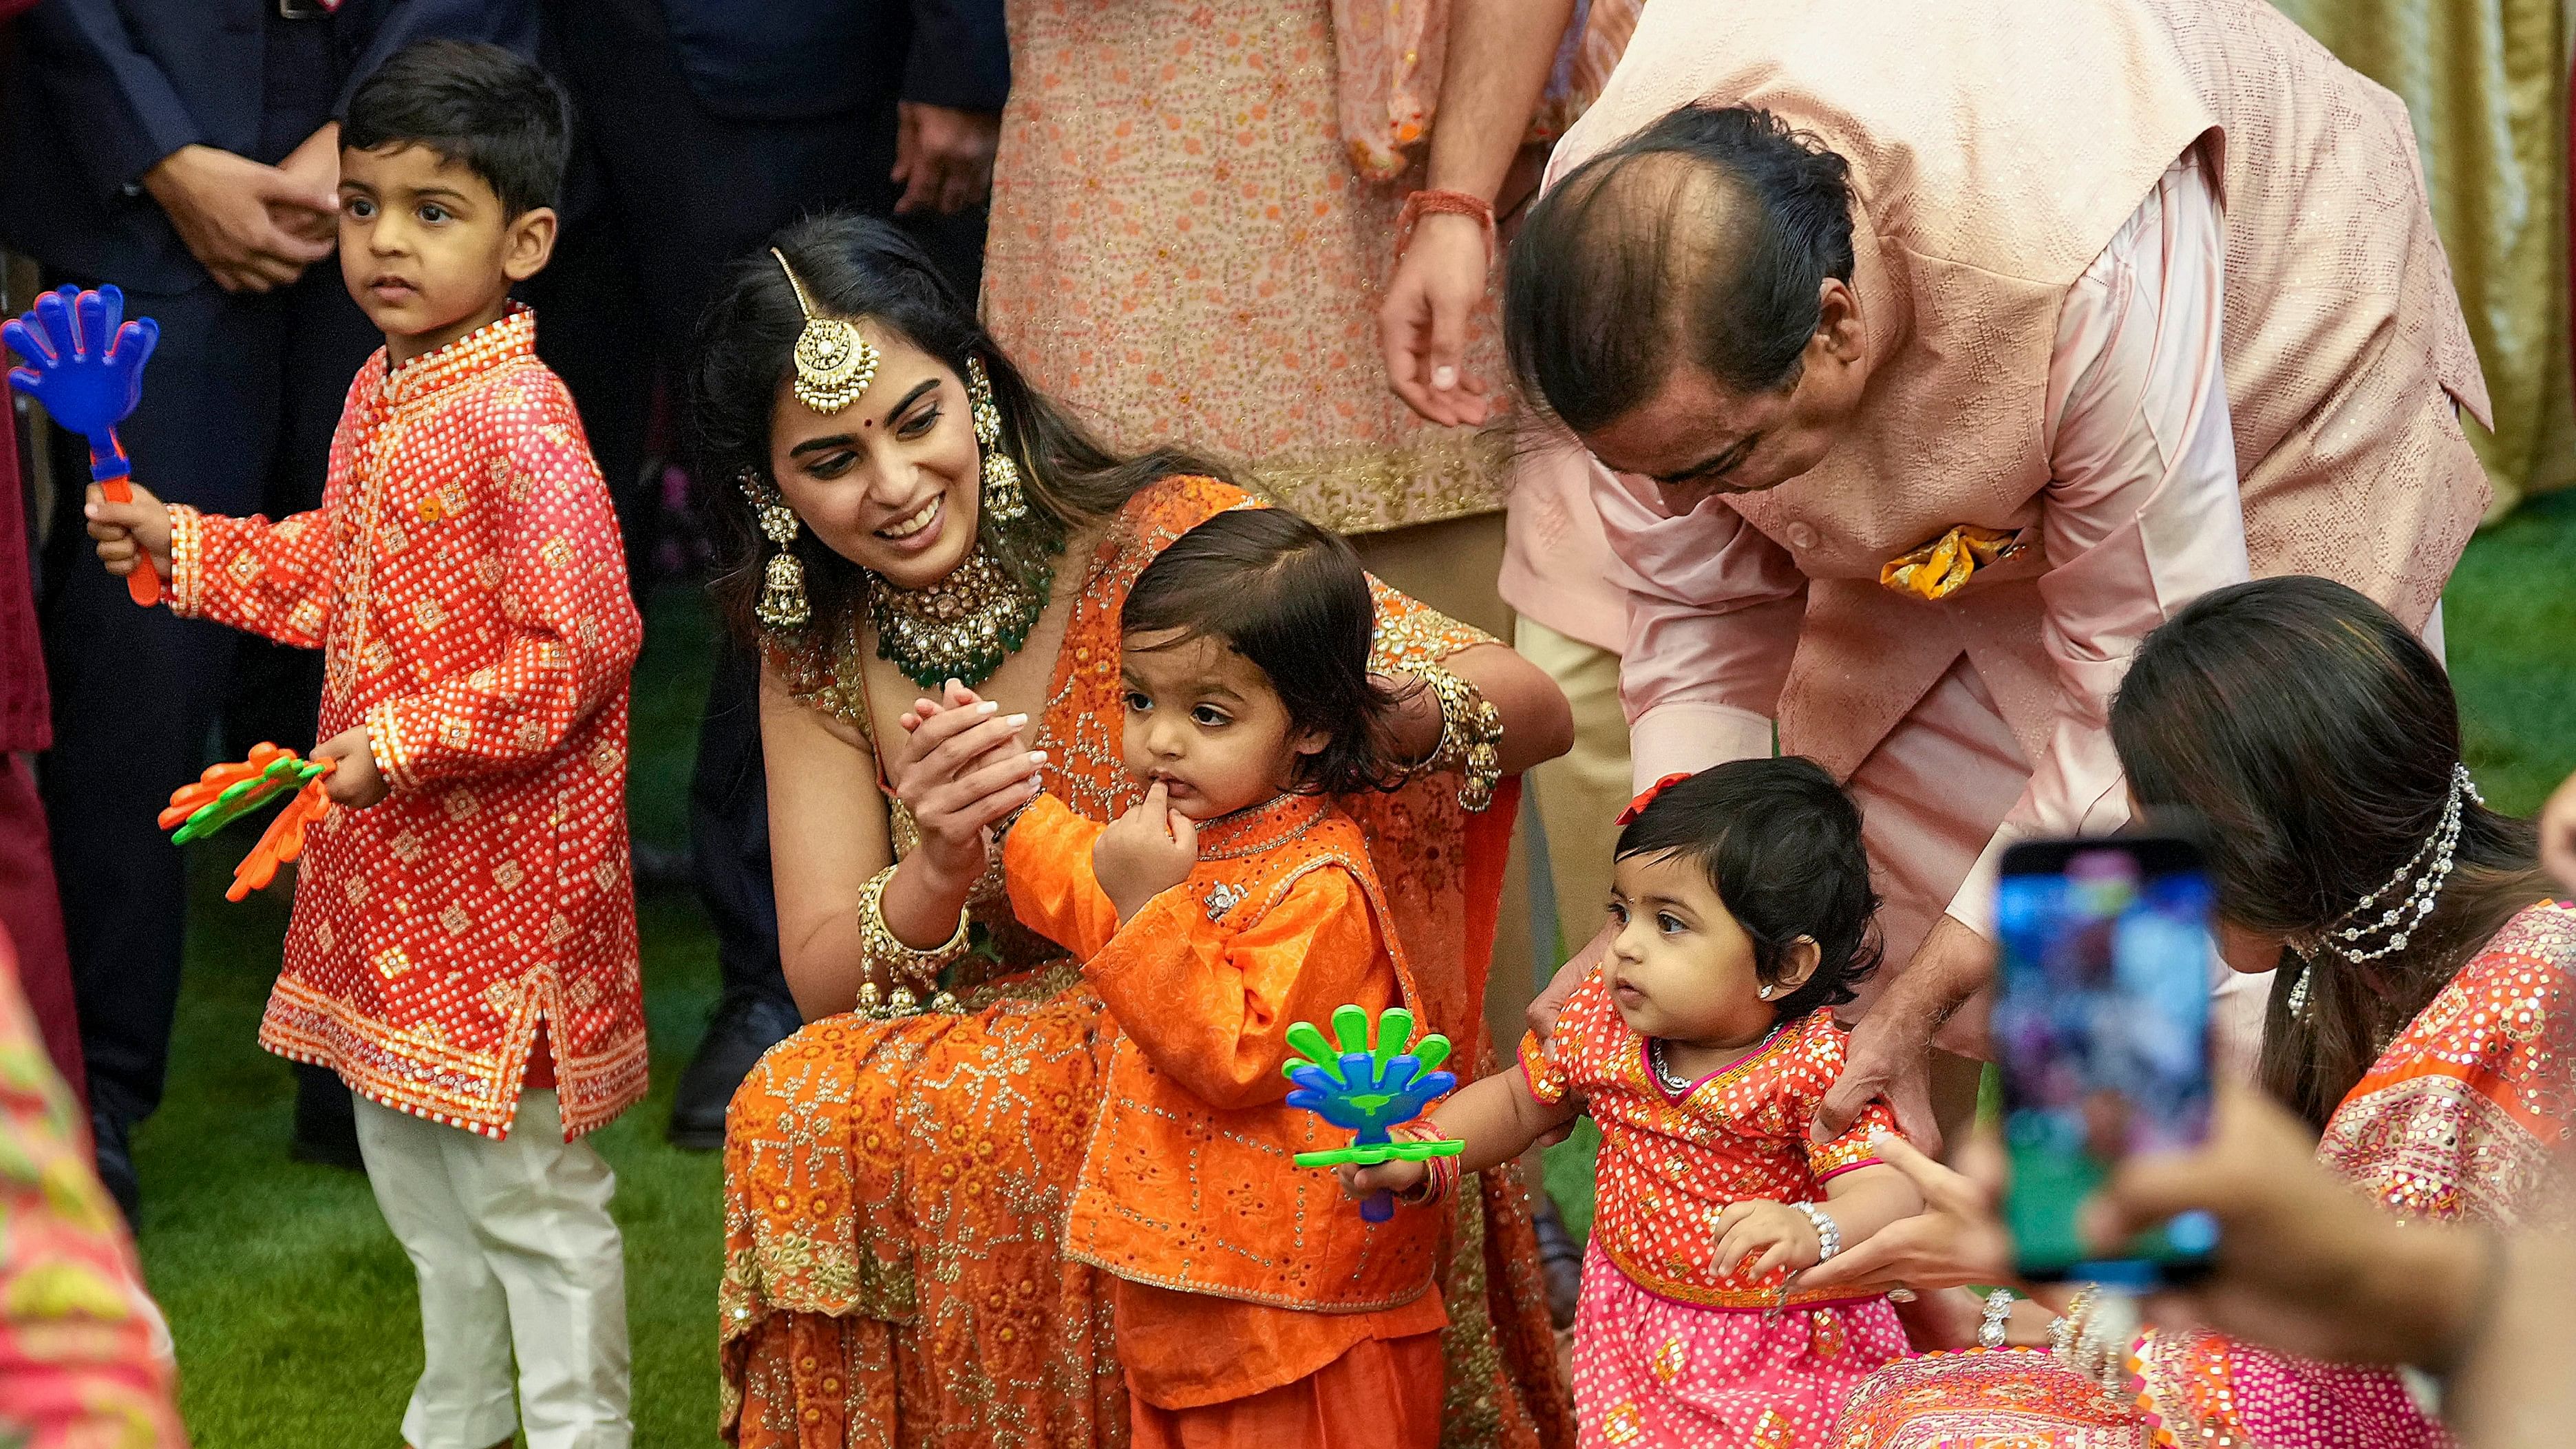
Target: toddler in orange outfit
1254, 1305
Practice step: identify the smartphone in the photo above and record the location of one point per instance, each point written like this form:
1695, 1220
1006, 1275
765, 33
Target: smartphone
2101, 1026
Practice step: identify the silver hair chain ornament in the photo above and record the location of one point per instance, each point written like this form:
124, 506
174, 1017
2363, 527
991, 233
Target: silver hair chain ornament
2420, 881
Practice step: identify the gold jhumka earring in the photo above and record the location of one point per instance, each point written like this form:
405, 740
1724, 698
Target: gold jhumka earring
1003, 498
782, 584
834, 364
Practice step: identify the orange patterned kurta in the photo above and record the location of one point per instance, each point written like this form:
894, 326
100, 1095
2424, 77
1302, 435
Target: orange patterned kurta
896, 1192
2463, 1118
1669, 1165
1187, 1192
464, 580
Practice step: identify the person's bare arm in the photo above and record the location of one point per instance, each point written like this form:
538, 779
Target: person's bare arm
1496, 1118
828, 834
1497, 63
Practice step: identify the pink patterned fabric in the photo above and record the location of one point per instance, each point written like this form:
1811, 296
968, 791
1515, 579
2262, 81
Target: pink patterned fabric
1651, 1373
2461, 1118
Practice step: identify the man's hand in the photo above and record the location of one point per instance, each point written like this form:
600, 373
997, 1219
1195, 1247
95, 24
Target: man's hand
1422, 324
227, 210
1891, 1048
315, 165
1144, 853
354, 780
943, 158
127, 533
2558, 835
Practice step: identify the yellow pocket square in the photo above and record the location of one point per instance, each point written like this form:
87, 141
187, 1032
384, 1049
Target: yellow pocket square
1940, 568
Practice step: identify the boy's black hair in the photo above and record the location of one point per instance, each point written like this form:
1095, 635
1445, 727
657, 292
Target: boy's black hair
501, 116
1292, 599
1780, 843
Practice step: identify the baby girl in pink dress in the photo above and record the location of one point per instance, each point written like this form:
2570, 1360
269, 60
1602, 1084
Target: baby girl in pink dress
1701, 1046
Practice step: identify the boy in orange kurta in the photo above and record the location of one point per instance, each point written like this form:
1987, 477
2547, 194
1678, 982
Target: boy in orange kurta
463, 945
1254, 1305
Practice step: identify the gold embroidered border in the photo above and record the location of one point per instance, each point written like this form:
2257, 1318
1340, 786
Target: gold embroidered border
441, 1084
187, 560
1368, 488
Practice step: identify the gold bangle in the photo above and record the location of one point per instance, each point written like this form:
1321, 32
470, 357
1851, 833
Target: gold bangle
1471, 731
907, 969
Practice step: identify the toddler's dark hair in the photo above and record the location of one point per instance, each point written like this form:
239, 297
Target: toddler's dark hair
1292, 599
501, 116
1780, 842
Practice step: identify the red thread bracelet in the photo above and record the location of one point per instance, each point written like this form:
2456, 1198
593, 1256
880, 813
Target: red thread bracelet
1451, 203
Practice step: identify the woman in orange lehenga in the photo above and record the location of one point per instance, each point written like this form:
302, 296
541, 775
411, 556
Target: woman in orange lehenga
2422, 1016
896, 1178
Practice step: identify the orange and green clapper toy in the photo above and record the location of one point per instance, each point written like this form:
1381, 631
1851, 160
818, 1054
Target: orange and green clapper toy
226, 793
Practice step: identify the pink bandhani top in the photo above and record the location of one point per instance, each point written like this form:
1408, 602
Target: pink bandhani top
2141, 516
1671, 1163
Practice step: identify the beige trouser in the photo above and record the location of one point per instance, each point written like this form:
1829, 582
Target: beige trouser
1579, 796
1451, 566
1931, 795
514, 1247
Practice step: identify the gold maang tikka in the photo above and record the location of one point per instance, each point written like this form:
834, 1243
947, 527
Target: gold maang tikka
782, 584
834, 364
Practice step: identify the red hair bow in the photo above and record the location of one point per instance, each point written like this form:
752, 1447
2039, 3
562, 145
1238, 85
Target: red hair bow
1638, 806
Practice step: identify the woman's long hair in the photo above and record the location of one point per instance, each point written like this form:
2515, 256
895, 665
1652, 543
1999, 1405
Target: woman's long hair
2316, 736
857, 267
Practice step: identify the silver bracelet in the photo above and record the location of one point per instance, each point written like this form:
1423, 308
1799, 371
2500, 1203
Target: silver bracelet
1829, 1235
1999, 1305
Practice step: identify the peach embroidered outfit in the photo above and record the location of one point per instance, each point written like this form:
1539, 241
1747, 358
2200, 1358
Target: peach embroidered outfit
2462, 1118
897, 1193
2056, 359
1194, 219
464, 580
1671, 1348
1238, 1273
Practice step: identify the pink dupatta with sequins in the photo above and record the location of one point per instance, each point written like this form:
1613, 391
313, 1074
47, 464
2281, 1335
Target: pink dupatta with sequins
2459, 1120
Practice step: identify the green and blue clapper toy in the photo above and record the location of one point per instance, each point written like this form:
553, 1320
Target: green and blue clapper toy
1369, 1086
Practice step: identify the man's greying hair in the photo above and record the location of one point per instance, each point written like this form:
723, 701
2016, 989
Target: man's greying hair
1710, 230
498, 115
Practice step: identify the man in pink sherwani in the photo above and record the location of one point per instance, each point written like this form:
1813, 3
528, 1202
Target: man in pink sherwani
1935, 355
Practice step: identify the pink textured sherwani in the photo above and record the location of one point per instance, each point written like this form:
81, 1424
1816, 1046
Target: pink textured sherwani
2110, 254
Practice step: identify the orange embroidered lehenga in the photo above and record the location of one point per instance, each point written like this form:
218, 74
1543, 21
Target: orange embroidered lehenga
896, 1192
2460, 1118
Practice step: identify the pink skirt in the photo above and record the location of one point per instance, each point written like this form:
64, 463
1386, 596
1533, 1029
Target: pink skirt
1652, 1373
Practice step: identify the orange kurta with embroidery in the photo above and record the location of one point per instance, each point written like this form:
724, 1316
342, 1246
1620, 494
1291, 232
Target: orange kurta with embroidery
466, 584
1670, 1164
1187, 1191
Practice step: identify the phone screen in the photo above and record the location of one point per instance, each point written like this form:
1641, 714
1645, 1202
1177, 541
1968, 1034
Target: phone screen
2101, 1025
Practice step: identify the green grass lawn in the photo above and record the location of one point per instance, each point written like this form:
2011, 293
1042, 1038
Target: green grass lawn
293, 1307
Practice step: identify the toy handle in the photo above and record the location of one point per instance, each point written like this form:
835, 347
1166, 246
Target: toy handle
1378, 1206
111, 472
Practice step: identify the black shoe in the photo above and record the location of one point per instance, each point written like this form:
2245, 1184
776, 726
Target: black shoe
326, 1120
116, 1164
742, 1028
1559, 1259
